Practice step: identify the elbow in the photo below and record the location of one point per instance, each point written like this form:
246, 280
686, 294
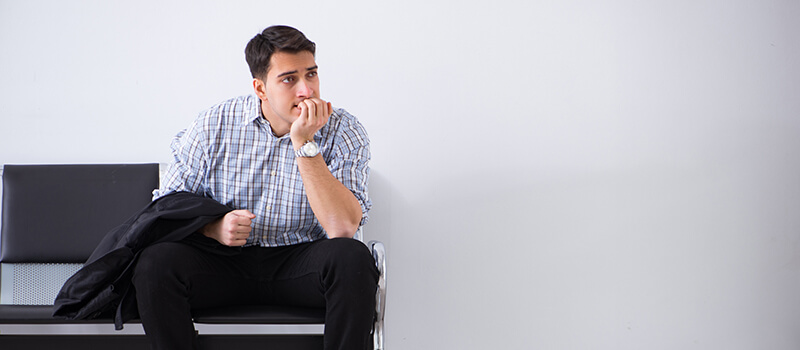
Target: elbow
342, 223
342, 229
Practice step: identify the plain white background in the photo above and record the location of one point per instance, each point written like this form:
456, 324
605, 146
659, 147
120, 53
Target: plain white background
546, 175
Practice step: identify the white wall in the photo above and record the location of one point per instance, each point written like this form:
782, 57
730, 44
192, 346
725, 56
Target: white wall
547, 175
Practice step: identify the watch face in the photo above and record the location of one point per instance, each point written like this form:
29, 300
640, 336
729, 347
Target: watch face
310, 149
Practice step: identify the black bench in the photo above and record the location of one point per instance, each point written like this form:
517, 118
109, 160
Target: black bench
45, 239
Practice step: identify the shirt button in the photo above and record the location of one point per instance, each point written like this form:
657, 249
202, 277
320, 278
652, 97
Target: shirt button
273, 173
269, 208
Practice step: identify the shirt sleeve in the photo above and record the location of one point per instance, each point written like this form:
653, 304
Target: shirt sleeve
350, 165
189, 163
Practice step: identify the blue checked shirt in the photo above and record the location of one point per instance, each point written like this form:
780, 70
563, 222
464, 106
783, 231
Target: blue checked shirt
230, 154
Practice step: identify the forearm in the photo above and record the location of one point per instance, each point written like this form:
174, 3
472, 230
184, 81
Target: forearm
334, 205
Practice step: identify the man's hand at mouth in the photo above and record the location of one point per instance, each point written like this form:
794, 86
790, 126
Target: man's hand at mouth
314, 114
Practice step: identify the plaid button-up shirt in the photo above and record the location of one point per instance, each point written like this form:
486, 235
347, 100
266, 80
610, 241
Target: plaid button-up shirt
230, 154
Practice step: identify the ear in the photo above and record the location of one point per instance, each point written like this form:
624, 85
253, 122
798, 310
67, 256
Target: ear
260, 88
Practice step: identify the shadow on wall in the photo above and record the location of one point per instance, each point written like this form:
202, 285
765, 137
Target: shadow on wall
385, 202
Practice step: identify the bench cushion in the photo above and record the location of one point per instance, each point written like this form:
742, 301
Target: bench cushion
256, 314
260, 314
37, 314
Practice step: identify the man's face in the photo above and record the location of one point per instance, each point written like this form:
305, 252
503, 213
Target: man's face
292, 78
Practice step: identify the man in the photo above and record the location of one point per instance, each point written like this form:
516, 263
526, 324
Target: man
294, 169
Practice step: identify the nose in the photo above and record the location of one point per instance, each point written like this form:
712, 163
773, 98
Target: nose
304, 89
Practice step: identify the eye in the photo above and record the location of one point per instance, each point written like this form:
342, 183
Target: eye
312, 74
287, 80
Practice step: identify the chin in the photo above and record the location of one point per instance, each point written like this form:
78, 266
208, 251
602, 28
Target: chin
292, 117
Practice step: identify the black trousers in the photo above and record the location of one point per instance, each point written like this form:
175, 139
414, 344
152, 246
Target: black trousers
173, 278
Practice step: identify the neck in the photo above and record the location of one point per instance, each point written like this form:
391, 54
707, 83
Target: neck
275, 123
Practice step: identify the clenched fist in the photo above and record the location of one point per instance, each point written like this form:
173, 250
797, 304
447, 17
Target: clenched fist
232, 229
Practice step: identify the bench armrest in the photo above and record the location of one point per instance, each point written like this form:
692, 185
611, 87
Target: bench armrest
379, 253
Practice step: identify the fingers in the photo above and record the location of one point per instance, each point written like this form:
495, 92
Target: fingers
244, 212
303, 111
317, 111
240, 218
314, 114
237, 227
312, 111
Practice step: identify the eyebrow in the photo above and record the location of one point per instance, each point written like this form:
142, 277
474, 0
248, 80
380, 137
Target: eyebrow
295, 72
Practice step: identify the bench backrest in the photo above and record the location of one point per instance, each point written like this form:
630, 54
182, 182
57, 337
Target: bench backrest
54, 216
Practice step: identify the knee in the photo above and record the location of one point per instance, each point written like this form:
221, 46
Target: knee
352, 258
350, 252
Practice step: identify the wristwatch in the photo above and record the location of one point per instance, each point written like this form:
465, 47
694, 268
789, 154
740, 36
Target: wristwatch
307, 150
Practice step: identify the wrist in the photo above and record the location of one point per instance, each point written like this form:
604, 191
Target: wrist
298, 142
210, 228
307, 149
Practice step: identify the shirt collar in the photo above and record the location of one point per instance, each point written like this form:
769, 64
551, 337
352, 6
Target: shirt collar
255, 111
254, 115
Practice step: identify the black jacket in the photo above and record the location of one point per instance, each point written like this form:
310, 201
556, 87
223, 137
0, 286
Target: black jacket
102, 288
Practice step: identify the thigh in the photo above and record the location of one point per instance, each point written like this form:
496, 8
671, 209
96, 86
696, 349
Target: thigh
208, 279
308, 271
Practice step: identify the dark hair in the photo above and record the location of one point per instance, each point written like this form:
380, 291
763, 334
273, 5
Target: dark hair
274, 39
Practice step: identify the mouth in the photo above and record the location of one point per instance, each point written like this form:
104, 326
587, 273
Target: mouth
297, 105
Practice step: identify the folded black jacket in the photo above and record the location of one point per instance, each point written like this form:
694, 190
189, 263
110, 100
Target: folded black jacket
102, 288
